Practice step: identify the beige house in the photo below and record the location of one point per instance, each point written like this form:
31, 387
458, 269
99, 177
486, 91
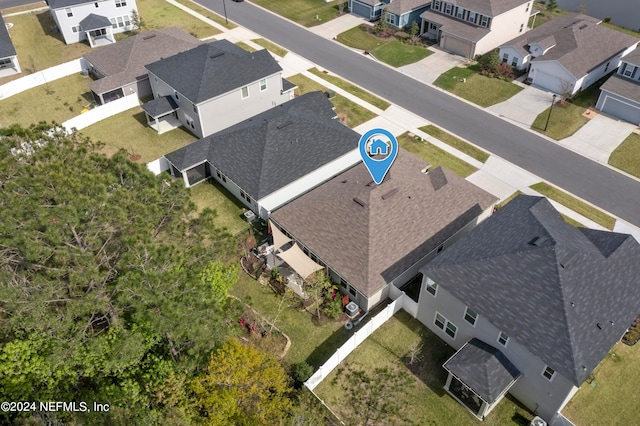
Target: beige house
473, 27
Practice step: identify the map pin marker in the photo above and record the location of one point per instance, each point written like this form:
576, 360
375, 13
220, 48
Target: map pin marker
378, 149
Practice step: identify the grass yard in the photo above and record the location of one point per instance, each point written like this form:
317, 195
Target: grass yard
425, 401
271, 47
245, 46
389, 50
627, 155
435, 156
229, 209
26, 7
160, 14
574, 204
348, 112
206, 12
353, 89
479, 89
455, 142
57, 101
612, 400
304, 12
129, 131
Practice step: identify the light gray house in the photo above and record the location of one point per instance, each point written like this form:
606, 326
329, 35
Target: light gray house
400, 13
213, 86
620, 94
119, 68
569, 53
94, 21
532, 305
370, 236
269, 159
8, 57
473, 27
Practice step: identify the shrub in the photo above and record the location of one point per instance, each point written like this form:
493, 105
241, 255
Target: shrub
490, 60
505, 70
301, 372
332, 308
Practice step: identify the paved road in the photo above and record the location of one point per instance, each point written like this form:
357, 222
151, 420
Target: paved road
596, 183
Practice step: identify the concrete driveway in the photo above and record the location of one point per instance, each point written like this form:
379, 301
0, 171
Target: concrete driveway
599, 137
331, 29
430, 68
523, 108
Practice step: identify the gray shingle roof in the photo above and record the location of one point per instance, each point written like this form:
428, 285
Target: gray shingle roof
213, 69
633, 57
581, 44
94, 22
57, 4
370, 234
123, 62
456, 27
622, 86
287, 85
545, 283
489, 7
400, 7
482, 368
6, 46
267, 152
160, 107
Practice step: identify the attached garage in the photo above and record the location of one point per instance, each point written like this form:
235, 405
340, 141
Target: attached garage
623, 109
549, 82
620, 97
456, 45
362, 9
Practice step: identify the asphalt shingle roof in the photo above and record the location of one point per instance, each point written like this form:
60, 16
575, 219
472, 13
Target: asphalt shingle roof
400, 7
57, 4
159, 107
622, 86
566, 294
213, 69
123, 62
489, 7
272, 149
6, 45
633, 57
456, 27
580, 43
482, 368
370, 234
94, 22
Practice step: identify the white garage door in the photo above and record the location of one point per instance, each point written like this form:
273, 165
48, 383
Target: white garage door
456, 45
548, 82
622, 110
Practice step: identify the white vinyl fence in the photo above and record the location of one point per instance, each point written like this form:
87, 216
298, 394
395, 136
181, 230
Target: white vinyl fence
100, 113
158, 166
41, 77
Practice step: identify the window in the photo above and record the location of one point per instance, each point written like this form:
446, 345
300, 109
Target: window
245, 92
263, 84
195, 108
436, 5
528, 4
628, 70
472, 17
76, 28
96, 4
431, 287
120, 3
514, 62
503, 339
448, 8
606, 67
69, 12
343, 283
451, 330
120, 21
440, 321
242, 194
175, 94
521, 27
484, 21
460, 13
433, 26
470, 316
5, 61
548, 373
391, 19
505, 57
352, 291
444, 324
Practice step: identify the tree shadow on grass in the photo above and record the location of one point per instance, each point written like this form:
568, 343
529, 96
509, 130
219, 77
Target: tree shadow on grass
49, 26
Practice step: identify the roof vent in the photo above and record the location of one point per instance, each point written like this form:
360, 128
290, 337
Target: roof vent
566, 259
582, 27
343, 181
282, 126
216, 55
599, 326
538, 241
370, 183
360, 202
148, 37
389, 194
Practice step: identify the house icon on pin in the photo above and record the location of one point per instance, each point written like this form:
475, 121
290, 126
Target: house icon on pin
378, 147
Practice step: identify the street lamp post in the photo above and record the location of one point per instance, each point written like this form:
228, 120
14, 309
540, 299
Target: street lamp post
553, 101
226, 21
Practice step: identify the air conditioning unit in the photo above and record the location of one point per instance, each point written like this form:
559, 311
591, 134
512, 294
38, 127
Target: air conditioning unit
249, 216
537, 421
351, 309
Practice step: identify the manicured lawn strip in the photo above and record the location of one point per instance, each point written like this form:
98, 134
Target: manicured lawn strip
425, 402
129, 131
389, 50
435, 156
353, 89
57, 101
476, 88
160, 14
348, 112
206, 12
18, 9
271, 47
245, 46
627, 155
610, 401
303, 12
229, 209
572, 222
574, 204
455, 142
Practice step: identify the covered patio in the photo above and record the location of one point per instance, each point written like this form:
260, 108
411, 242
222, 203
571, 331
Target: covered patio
98, 30
162, 114
479, 377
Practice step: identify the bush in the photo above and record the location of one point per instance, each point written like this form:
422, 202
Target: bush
301, 372
490, 60
505, 70
332, 308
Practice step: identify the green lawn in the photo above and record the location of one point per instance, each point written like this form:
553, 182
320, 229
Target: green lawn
455, 142
574, 204
160, 14
425, 401
348, 112
271, 47
479, 89
611, 401
435, 156
229, 208
304, 12
245, 46
206, 12
353, 89
129, 130
627, 155
57, 101
389, 50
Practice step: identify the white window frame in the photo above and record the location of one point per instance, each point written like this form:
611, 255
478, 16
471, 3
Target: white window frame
546, 370
431, 285
69, 12
505, 57
460, 13
263, 84
447, 326
474, 317
444, 321
436, 5
628, 71
501, 338
121, 3
514, 61
484, 21
244, 92
76, 29
472, 17
447, 329
448, 8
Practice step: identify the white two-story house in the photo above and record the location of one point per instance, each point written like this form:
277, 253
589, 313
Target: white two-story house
213, 86
95, 21
473, 27
620, 94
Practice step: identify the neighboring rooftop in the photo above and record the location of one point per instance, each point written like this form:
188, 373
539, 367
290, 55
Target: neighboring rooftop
566, 294
272, 149
489, 7
124, 62
57, 4
633, 57
370, 234
455, 26
213, 69
622, 86
580, 43
400, 7
6, 45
